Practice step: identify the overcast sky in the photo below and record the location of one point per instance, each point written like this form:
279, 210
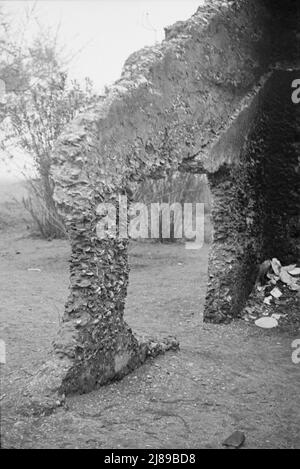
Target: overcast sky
103, 32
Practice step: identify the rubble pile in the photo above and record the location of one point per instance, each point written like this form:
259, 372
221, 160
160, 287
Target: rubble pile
275, 299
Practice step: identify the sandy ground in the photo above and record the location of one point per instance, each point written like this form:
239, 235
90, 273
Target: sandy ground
224, 378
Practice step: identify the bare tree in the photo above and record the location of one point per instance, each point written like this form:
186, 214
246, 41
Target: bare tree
40, 101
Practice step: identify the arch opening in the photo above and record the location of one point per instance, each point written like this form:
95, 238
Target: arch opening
204, 101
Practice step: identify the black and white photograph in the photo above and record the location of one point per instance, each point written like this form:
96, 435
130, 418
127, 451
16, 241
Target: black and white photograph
149, 227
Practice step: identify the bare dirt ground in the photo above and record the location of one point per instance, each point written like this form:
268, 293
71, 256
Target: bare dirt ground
224, 378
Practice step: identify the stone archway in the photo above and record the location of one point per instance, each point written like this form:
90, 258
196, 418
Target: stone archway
190, 103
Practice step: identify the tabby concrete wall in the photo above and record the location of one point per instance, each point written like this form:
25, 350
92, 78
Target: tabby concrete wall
256, 208
169, 106
188, 103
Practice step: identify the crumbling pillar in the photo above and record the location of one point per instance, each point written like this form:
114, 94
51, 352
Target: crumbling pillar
232, 259
256, 200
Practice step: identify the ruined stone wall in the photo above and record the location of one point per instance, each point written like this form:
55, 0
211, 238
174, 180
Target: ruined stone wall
273, 152
171, 103
188, 103
256, 208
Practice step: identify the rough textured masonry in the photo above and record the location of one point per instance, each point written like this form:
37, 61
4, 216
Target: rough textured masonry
214, 97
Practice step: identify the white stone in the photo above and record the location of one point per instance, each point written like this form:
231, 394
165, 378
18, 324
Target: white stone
266, 322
